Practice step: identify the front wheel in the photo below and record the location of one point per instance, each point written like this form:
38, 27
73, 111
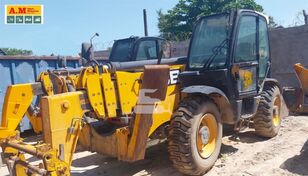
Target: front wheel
194, 136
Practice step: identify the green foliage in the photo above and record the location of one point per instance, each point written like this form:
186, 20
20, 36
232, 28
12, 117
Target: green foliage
15, 51
178, 22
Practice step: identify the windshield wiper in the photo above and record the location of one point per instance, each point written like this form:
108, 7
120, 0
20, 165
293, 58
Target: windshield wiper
216, 50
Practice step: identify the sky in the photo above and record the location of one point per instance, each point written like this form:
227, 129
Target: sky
68, 23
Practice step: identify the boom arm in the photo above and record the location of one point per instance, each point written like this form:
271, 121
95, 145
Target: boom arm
17, 101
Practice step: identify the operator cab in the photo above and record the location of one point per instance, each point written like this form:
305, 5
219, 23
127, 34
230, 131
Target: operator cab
230, 52
138, 49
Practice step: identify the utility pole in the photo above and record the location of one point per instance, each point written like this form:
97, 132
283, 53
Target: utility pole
145, 22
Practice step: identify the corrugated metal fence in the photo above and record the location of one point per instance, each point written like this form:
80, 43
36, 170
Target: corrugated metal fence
25, 69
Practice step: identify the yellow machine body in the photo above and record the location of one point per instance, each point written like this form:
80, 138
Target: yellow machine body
67, 102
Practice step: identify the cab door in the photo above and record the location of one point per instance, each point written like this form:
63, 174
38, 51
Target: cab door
264, 50
245, 68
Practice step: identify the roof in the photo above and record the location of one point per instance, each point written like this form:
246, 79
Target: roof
104, 54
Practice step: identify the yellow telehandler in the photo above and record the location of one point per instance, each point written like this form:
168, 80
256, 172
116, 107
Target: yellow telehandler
115, 107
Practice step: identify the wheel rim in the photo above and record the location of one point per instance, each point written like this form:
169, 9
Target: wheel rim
276, 111
207, 135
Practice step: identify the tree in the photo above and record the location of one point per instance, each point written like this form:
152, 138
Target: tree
178, 22
272, 24
15, 51
298, 20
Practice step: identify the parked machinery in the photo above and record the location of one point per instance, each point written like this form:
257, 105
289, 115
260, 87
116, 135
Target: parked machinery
302, 97
139, 48
114, 108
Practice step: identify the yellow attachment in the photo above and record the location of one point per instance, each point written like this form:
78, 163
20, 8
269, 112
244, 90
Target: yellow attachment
61, 116
90, 80
82, 79
46, 82
155, 78
14, 156
5, 132
36, 122
20, 171
64, 86
208, 126
16, 102
163, 110
302, 74
109, 94
95, 94
114, 145
128, 88
73, 79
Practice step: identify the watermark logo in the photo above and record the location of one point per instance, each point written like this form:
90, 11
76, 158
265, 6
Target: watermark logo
24, 14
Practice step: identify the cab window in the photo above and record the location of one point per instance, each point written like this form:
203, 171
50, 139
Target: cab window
246, 39
147, 50
263, 48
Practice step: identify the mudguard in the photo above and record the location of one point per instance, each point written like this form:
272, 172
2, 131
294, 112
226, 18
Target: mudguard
218, 97
272, 81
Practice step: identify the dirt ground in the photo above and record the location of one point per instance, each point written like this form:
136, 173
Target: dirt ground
286, 154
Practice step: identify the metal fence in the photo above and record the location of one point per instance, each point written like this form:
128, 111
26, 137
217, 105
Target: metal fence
25, 69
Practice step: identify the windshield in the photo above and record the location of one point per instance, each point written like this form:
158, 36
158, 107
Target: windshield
209, 43
121, 50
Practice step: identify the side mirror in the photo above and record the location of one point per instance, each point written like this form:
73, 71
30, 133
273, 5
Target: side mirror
87, 51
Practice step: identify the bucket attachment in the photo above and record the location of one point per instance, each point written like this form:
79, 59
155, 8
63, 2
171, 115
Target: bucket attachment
302, 99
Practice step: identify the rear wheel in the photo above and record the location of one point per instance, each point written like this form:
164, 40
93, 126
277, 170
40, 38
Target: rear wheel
194, 136
268, 119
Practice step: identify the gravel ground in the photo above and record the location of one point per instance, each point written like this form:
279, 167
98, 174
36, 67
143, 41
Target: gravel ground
286, 154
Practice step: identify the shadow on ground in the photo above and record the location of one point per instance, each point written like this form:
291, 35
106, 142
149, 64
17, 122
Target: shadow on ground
247, 137
155, 163
227, 149
298, 164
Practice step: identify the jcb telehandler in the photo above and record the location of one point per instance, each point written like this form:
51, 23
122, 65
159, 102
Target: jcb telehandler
225, 79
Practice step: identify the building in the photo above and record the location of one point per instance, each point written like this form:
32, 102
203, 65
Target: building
104, 54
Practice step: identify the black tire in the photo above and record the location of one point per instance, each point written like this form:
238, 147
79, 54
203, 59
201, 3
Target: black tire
182, 139
264, 122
